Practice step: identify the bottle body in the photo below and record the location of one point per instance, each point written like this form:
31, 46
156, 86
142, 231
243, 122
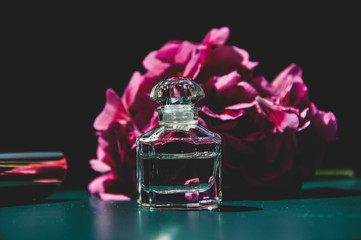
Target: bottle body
179, 167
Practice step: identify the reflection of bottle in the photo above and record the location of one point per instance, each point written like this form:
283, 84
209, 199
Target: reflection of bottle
178, 162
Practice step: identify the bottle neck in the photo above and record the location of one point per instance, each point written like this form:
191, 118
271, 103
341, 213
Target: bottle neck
173, 115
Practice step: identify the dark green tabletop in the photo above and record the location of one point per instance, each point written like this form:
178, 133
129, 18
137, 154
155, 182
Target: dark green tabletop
325, 210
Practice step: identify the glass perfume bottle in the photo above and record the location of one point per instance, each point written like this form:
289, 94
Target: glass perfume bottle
179, 161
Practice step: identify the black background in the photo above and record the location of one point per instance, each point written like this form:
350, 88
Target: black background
58, 61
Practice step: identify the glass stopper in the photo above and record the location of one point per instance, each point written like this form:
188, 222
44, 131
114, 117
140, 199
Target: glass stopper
177, 91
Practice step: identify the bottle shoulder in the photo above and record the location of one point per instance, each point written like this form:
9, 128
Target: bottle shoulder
179, 133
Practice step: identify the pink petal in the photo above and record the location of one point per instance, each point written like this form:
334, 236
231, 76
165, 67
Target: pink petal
202, 122
96, 186
239, 106
324, 124
193, 66
114, 144
242, 92
247, 90
303, 114
143, 111
281, 79
328, 118
229, 89
114, 197
216, 36
131, 91
226, 56
245, 56
290, 120
299, 93
99, 166
103, 187
106, 143
284, 81
264, 87
277, 114
227, 81
153, 122
184, 52
168, 51
154, 66
113, 110
228, 115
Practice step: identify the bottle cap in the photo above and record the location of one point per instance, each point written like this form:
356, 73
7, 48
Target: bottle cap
177, 91
177, 95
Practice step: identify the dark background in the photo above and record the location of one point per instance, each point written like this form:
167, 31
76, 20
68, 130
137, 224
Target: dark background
58, 60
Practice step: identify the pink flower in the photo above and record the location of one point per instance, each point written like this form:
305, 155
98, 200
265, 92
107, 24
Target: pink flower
273, 135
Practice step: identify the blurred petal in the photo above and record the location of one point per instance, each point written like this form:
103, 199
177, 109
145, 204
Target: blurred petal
154, 66
228, 115
168, 51
114, 144
239, 106
227, 81
108, 187
131, 91
216, 36
193, 67
184, 52
113, 110
230, 56
153, 122
96, 186
277, 115
265, 88
242, 92
324, 124
299, 94
245, 58
99, 166
114, 197
284, 81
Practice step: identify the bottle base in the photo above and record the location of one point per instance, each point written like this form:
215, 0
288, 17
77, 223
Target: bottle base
207, 200
202, 205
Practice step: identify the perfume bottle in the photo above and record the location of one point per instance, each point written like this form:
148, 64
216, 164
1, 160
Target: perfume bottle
179, 161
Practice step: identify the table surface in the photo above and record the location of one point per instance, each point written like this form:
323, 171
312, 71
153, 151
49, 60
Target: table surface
326, 210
